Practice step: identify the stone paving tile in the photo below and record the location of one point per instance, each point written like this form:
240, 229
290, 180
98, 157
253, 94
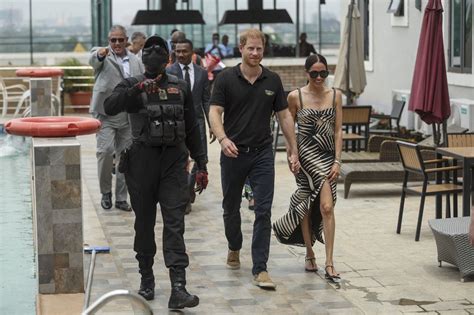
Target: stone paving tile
380, 269
448, 305
457, 312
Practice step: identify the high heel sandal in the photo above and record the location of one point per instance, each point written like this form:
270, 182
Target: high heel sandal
314, 267
334, 278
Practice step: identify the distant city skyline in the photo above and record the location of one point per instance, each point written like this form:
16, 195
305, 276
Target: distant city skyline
59, 11
58, 25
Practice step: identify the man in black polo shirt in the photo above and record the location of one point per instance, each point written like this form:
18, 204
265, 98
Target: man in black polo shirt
248, 94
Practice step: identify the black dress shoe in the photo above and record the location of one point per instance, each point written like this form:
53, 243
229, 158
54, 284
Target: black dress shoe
123, 205
147, 288
106, 201
180, 298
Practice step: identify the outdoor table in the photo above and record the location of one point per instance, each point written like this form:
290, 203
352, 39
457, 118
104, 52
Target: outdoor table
466, 154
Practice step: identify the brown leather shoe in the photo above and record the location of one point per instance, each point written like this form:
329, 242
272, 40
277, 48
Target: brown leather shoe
264, 281
233, 259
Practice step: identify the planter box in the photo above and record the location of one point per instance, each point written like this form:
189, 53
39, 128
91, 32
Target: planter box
81, 101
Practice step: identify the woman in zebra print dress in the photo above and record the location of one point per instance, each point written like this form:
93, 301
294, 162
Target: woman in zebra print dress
318, 113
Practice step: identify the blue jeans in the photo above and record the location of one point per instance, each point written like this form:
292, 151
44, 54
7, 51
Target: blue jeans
259, 167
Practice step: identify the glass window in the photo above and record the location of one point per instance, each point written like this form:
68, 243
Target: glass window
460, 36
365, 16
55, 26
396, 7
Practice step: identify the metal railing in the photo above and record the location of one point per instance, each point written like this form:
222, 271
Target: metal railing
112, 295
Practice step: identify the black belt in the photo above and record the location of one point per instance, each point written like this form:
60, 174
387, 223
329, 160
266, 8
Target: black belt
246, 149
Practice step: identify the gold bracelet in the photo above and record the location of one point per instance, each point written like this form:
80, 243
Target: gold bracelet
337, 162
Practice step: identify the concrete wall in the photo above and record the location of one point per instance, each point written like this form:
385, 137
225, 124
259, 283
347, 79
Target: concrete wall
393, 55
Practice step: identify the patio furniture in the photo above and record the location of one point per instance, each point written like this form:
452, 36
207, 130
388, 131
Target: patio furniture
466, 155
40, 73
370, 172
452, 241
396, 114
460, 139
380, 149
413, 163
10, 93
355, 123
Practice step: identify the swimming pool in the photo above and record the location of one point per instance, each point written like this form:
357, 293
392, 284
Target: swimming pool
18, 284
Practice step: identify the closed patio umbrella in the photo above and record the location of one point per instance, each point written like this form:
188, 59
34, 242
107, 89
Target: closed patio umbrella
350, 71
429, 90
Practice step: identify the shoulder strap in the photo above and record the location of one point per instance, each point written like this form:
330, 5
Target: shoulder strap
301, 98
334, 97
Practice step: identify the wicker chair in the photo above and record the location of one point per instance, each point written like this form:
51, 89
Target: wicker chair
380, 149
412, 161
452, 242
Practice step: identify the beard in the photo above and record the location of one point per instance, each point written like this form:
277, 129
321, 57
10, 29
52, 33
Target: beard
252, 62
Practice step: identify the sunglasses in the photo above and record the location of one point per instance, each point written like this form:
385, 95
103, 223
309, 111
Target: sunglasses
314, 74
116, 39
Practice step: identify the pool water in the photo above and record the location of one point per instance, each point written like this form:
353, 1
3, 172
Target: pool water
18, 283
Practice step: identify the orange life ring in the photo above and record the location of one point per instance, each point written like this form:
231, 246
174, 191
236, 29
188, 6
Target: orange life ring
52, 126
39, 72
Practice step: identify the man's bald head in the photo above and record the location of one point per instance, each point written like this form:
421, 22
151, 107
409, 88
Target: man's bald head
177, 36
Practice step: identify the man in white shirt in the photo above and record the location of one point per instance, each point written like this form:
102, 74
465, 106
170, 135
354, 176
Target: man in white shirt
196, 77
111, 65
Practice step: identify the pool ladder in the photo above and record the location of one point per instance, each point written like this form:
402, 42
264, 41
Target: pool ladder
109, 296
112, 295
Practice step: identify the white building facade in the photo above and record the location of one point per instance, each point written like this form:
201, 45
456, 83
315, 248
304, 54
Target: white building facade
391, 44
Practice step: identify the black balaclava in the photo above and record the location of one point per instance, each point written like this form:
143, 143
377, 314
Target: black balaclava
155, 55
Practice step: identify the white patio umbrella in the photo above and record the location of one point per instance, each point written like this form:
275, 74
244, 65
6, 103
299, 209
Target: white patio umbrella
350, 71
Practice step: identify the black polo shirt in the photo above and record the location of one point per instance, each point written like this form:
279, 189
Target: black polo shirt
248, 107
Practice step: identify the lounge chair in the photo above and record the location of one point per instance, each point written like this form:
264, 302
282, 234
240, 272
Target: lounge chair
375, 151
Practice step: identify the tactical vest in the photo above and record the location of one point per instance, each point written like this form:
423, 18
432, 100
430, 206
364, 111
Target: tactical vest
161, 120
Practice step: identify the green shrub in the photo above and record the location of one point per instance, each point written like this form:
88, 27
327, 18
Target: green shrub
76, 80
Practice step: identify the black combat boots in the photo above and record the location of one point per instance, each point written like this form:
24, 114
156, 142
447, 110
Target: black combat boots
180, 298
147, 284
147, 287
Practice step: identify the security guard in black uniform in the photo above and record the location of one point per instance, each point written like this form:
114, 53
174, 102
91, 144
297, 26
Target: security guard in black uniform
164, 131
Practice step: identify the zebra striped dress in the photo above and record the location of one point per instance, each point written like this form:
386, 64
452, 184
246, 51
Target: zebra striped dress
316, 148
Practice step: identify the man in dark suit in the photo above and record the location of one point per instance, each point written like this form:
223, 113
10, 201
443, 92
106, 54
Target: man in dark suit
111, 65
196, 77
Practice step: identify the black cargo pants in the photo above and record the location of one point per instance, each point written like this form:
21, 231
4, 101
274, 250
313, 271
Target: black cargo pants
157, 175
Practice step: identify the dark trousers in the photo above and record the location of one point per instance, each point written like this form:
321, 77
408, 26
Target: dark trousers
259, 167
157, 175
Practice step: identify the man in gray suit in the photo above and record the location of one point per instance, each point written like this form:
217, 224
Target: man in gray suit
196, 77
111, 65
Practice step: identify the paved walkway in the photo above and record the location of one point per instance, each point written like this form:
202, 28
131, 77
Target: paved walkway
383, 273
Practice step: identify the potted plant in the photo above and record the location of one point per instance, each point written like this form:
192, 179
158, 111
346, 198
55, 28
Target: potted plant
78, 84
